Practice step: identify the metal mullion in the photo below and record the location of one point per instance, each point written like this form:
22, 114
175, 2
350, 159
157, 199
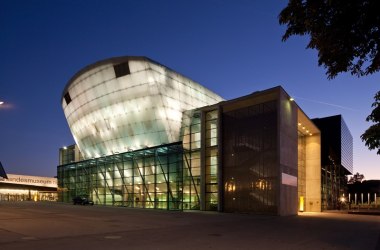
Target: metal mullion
96, 181
155, 180
113, 181
133, 182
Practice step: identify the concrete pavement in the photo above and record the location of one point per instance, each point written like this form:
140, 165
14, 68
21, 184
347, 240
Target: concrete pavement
31, 225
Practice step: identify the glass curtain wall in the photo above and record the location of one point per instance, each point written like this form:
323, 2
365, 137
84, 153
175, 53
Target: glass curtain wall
67, 155
250, 159
151, 178
332, 178
191, 135
200, 142
211, 160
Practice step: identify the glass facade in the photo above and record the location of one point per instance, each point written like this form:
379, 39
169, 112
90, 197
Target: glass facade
337, 154
200, 142
346, 147
250, 163
211, 159
152, 138
69, 154
191, 134
334, 184
157, 178
129, 103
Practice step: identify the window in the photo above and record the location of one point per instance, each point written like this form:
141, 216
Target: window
121, 69
67, 98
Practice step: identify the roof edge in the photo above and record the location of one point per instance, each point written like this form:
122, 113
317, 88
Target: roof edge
118, 59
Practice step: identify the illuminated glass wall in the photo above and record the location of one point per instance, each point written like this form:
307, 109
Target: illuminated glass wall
129, 103
200, 142
211, 160
191, 135
151, 178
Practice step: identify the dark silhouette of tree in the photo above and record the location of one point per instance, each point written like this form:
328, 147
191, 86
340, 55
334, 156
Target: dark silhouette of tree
356, 178
346, 34
372, 135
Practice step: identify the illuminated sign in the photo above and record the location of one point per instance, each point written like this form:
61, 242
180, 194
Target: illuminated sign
30, 180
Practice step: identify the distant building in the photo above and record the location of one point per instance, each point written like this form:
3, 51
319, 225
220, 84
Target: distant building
337, 162
152, 138
365, 192
69, 154
25, 187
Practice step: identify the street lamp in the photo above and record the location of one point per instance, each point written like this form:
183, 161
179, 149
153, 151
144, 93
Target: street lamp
1, 103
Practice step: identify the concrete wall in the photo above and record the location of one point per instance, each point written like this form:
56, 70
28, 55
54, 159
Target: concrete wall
288, 142
313, 174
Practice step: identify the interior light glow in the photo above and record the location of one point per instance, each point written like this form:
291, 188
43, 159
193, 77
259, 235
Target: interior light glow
302, 204
299, 124
133, 119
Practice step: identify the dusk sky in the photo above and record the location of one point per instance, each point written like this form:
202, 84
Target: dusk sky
232, 47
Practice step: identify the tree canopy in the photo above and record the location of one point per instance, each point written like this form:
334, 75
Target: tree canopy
356, 178
346, 34
372, 135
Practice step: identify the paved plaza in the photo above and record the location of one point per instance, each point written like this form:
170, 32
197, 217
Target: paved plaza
33, 225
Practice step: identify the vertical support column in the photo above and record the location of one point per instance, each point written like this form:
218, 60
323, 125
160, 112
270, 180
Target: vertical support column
155, 179
202, 198
313, 173
375, 201
220, 161
368, 199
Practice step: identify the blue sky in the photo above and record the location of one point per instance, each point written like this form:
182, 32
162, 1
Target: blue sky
232, 47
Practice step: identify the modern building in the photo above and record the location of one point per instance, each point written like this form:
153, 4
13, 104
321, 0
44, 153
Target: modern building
129, 103
152, 138
15, 187
69, 154
337, 159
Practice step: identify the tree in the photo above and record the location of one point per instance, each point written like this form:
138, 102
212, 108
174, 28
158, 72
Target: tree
346, 34
372, 135
356, 178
